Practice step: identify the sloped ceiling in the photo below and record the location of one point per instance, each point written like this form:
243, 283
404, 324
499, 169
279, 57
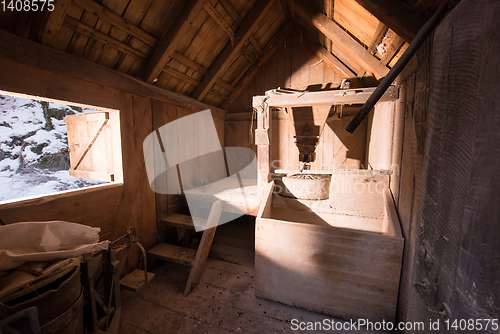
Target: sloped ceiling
206, 48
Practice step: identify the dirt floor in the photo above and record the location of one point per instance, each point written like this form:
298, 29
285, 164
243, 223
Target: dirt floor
223, 302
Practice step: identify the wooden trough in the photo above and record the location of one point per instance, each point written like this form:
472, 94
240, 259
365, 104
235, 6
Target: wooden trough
344, 263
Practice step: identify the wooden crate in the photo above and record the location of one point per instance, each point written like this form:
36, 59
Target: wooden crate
303, 259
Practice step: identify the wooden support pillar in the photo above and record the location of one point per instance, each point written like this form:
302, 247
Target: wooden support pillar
262, 140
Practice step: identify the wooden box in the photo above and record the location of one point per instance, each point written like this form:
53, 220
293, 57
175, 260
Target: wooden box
338, 264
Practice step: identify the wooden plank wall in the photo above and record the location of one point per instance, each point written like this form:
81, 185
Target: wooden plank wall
292, 66
453, 240
57, 75
407, 161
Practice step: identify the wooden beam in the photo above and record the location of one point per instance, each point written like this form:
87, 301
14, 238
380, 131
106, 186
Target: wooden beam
286, 9
377, 37
311, 15
328, 97
114, 19
19, 50
248, 55
225, 58
255, 44
189, 63
84, 29
182, 76
214, 13
269, 51
392, 50
169, 43
232, 12
317, 48
329, 13
54, 23
397, 15
224, 85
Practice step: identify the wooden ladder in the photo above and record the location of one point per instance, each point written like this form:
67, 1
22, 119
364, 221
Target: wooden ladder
187, 256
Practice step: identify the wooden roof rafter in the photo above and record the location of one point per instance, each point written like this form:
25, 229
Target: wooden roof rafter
397, 15
268, 51
118, 21
377, 37
54, 22
169, 43
324, 54
226, 57
340, 38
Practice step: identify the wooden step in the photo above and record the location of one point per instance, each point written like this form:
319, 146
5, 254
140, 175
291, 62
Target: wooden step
178, 220
173, 253
135, 280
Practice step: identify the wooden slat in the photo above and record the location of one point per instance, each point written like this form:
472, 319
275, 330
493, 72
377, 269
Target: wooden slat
212, 11
172, 253
224, 85
224, 60
311, 15
377, 37
181, 76
54, 22
178, 220
397, 15
116, 20
232, 12
269, 51
189, 63
327, 56
344, 96
248, 55
173, 37
103, 38
255, 44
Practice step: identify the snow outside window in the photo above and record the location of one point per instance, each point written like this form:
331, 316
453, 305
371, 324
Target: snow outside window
35, 158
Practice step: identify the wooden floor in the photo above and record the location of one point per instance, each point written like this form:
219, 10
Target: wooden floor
223, 302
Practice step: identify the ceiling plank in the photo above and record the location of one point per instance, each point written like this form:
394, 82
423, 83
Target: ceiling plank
169, 43
214, 13
397, 15
308, 13
232, 12
377, 37
269, 50
317, 48
224, 60
84, 29
114, 19
54, 23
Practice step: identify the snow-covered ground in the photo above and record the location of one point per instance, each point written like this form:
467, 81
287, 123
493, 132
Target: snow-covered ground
33, 154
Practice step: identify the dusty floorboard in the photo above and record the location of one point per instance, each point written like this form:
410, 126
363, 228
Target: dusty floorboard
223, 302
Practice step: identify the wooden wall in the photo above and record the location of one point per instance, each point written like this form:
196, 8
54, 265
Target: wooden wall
454, 229
29, 68
292, 66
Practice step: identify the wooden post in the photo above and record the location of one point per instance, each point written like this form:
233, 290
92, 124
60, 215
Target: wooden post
262, 140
